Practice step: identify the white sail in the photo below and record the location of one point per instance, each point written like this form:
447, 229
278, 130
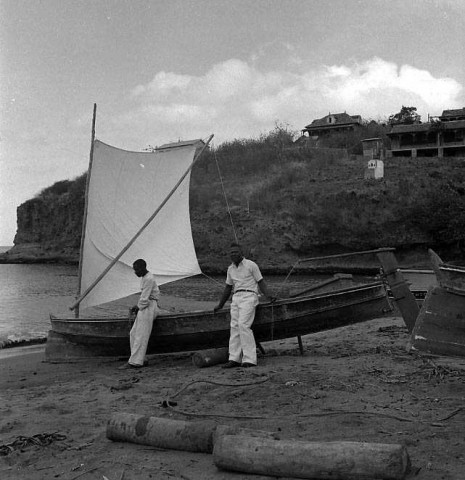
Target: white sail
125, 189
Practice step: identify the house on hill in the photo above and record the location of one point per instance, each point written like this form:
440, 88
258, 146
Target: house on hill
452, 115
332, 123
441, 137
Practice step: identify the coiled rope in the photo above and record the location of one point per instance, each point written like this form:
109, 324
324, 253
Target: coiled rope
41, 440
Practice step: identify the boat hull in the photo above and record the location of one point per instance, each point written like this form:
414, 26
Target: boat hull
192, 331
452, 279
449, 277
440, 326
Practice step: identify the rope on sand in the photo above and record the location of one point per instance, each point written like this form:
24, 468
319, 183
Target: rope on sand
221, 384
168, 403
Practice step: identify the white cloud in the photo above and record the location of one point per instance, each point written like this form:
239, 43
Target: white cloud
163, 84
362, 83
236, 100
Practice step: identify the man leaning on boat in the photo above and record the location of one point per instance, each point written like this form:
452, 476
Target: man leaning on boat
244, 280
147, 311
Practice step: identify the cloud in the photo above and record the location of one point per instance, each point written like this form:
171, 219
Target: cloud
363, 82
235, 99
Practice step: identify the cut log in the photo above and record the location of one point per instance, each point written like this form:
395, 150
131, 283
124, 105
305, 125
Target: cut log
207, 358
292, 458
162, 432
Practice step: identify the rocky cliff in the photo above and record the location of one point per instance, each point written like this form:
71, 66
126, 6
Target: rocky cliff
296, 206
49, 225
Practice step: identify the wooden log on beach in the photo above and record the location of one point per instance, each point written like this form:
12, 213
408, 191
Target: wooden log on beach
207, 358
317, 460
162, 432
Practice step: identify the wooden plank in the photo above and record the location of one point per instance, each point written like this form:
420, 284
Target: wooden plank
404, 298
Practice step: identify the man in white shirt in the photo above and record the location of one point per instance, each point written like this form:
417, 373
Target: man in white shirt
147, 311
244, 280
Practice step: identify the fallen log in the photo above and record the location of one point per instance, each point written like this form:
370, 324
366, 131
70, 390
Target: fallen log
162, 432
207, 358
317, 460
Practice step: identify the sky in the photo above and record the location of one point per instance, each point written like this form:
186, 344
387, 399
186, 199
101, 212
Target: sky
161, 71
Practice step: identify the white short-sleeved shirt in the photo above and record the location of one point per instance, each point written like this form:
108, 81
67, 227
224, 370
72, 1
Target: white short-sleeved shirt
149, 290
245, 276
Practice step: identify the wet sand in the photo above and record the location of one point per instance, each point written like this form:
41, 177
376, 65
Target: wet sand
353, 383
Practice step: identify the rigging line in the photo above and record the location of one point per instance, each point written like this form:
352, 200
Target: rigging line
213, 279
225, 197
272, 322
287, 277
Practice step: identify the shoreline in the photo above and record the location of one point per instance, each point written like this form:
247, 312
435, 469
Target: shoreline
13, 344
22, 350
267, 268
280, 263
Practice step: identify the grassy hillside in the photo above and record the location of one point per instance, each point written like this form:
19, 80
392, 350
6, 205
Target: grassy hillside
287, 203
283, 203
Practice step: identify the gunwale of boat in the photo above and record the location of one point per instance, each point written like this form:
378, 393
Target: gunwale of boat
452, 268
112, 317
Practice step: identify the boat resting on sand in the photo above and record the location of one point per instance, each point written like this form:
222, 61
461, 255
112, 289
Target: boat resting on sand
440, 326
137, 206
93, 334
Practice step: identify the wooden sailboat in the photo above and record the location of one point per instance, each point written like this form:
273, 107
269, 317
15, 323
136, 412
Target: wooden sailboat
198, 330
137, 207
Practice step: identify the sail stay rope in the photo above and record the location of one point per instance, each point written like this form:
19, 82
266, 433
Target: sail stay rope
229, 213
232, 221
225, 197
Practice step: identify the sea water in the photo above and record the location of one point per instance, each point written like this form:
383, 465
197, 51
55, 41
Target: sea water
28, 294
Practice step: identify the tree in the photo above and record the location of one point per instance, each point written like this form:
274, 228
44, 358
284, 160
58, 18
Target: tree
406, 116
279, 138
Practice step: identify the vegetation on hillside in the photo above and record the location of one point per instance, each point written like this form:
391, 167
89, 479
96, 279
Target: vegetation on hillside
53, 218
312, 199
282, 200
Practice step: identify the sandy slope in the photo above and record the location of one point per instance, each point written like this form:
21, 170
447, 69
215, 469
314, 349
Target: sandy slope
354, 383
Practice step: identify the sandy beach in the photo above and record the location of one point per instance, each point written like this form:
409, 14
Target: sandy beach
354, 383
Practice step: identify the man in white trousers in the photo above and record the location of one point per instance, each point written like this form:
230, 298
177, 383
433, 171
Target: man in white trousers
244, 281
147, 310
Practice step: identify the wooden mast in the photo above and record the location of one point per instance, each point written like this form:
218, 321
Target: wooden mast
84, 220
134, 238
